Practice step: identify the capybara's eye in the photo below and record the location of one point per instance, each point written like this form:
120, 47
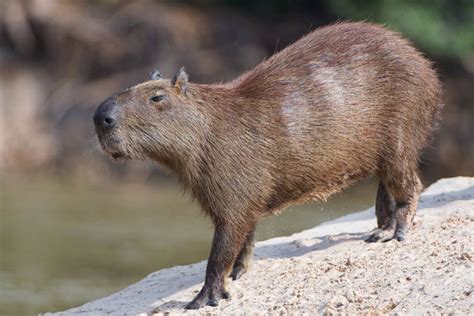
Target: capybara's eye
157, 98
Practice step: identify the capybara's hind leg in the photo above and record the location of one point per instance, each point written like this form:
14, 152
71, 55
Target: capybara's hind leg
406, 203
384, 209
242, 261
405, 188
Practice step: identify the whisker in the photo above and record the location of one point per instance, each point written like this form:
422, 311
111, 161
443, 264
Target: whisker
93, 145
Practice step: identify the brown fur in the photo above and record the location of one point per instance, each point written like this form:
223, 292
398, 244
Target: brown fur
345, 102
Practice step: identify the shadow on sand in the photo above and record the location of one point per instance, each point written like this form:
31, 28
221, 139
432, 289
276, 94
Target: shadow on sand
298, 248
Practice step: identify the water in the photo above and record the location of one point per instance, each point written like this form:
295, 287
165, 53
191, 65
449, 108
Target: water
63, 244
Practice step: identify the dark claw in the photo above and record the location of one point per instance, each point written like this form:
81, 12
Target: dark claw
213, 302
399, 235
371, 238
193, 305
381, 235
237, 272
200, 299
208, 297
225, 295
375, 238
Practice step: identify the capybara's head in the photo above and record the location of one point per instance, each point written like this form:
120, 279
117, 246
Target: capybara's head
157, 119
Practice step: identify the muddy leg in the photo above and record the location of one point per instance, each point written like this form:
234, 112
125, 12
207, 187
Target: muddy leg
406, 204
243, 259
384, 206
403, 189
384, 209
228, 240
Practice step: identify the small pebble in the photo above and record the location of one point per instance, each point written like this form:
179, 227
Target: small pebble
350, 295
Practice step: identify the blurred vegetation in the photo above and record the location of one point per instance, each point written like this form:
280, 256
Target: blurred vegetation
442, 28
61, 58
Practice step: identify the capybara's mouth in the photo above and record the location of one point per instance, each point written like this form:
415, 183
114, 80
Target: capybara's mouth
117, 155
111, 145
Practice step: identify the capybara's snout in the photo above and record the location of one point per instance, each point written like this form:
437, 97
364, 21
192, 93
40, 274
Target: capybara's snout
106, 115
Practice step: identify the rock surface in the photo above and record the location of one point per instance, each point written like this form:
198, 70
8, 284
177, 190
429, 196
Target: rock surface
330, 269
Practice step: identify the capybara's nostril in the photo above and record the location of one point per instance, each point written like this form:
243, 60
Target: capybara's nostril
109, 122
106, 114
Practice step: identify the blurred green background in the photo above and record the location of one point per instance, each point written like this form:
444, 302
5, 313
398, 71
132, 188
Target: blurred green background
75, 226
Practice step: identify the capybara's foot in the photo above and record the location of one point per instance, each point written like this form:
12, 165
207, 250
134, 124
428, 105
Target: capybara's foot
384, 235
209, 297
399, 235
238, 270
380, 235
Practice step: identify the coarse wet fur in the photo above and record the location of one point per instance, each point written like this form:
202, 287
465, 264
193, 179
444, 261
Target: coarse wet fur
345, 102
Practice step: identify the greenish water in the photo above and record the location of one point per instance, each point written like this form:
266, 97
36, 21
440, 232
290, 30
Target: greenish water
63, 244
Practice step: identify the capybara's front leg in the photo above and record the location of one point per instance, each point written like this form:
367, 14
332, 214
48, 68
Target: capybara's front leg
227, 242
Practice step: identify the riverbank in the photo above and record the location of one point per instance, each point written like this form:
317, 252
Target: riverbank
330, 269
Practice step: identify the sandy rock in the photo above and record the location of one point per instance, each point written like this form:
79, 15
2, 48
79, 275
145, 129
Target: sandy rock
430, 273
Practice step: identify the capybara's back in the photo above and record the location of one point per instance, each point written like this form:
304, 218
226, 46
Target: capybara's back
343, 103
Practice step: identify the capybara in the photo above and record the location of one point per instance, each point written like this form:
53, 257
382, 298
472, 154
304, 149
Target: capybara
345, 102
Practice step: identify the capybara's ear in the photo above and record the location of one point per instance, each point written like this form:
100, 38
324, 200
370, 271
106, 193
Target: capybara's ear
180, 80
155, 75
